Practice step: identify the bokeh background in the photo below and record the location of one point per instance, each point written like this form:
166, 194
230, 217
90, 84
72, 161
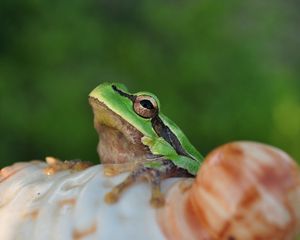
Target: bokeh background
223, 71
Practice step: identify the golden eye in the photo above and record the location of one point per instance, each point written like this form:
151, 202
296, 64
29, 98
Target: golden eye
145, 106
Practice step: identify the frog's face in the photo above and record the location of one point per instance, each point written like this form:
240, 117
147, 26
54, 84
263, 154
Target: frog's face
121, 120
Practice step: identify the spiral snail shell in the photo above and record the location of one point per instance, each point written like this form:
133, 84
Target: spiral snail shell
243, 190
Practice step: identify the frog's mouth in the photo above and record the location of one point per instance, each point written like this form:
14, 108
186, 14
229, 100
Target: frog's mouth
120, 142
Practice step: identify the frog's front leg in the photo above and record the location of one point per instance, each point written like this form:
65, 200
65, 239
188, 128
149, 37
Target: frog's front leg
160, 170
140, 172
153, 176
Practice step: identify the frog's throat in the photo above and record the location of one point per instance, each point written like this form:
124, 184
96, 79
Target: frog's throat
119, 142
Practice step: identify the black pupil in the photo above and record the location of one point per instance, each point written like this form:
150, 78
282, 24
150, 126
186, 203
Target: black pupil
146, 104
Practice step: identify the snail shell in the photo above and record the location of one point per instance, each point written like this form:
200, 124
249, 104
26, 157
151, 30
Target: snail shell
243, 190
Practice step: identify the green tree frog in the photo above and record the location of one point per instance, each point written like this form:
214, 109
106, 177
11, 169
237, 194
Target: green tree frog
136, 137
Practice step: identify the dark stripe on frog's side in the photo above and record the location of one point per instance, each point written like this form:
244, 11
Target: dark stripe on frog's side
165, 132
159, 127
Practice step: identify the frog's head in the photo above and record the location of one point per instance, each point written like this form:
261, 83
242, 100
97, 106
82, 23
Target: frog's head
121, 120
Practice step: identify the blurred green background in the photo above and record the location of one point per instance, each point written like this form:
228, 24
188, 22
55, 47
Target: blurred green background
223, 71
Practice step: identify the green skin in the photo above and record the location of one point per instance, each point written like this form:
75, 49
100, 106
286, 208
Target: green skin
168, 151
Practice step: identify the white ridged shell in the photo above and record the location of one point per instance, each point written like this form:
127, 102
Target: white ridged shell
70, 205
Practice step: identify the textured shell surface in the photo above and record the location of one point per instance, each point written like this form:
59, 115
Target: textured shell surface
70, 205
243, 190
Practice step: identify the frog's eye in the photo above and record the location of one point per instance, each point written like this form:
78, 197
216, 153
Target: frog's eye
145, 106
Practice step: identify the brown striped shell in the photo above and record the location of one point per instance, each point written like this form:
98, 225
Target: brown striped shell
243, 191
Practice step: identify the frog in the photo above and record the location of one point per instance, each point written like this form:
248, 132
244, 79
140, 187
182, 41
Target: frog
137, 138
